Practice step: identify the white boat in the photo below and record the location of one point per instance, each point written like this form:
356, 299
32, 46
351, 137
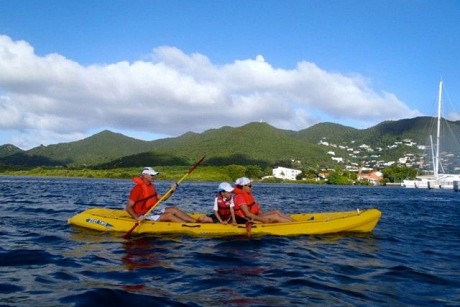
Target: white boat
437, 180
418, 183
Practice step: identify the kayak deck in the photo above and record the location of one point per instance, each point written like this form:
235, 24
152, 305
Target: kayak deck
115, 220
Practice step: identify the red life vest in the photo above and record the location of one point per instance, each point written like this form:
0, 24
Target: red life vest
147, 198
249, 201
223, 207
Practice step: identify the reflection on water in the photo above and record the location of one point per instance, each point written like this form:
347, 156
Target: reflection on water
140, 253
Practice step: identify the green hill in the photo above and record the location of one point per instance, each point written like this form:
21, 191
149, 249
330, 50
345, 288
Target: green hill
331, 132
254, 143
8, 150
99, 148
251, 144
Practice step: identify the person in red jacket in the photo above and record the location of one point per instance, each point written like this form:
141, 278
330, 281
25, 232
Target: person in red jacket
247, 208
144, 195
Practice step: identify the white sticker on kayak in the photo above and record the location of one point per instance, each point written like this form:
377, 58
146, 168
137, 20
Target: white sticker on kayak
99, 222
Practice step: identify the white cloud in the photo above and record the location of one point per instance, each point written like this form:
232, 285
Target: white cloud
48, 99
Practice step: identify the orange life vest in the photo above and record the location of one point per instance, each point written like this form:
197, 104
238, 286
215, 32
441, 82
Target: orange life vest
249, 200
147, 198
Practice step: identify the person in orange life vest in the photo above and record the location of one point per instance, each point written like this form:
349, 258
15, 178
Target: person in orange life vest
247, 208
144, 195
223, 207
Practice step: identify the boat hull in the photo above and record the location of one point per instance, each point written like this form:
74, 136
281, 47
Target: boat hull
118, 221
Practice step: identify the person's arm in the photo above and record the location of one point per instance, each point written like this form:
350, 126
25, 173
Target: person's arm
232, 212
130, 210
216, 211
171, 190
134, 195
252, 216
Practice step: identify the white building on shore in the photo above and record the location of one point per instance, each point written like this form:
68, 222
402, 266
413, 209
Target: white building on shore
285, 173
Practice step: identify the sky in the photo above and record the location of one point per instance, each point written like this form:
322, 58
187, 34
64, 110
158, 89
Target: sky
154, 69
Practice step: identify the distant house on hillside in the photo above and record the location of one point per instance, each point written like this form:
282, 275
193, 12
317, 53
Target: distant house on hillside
337, 159
372, 177
285, 173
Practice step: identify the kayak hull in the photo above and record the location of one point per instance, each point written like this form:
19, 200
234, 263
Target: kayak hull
118, 221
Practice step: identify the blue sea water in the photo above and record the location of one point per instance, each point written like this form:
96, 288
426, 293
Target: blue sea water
412, 258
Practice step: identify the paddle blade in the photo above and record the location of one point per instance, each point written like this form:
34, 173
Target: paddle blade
128, 234
196, 165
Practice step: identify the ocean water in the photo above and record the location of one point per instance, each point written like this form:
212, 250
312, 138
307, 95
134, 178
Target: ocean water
412, 258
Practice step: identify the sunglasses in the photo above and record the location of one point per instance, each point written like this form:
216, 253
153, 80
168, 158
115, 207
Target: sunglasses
248, 185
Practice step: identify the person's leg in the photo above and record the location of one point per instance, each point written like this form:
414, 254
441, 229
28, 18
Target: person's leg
276, 217
204, 219
169, 217
284, 216
180, 214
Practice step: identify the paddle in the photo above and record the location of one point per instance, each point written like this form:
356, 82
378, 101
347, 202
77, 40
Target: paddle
126, 236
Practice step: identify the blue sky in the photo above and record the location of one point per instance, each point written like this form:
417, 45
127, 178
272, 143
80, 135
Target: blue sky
154, 69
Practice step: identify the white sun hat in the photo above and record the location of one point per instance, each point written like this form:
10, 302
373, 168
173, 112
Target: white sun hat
243, 181
225, 187
149, 171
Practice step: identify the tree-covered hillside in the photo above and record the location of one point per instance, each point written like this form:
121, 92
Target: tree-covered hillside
251, 144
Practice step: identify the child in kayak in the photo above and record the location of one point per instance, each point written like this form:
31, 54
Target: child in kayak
223, 207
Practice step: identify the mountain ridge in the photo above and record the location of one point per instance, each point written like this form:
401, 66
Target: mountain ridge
252, 143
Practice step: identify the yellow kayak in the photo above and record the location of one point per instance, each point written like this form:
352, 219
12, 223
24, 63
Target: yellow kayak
114, 220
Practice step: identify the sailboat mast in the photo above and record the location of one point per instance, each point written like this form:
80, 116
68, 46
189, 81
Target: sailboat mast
438, 133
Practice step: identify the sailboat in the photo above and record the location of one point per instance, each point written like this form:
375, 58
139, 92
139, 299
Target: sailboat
437, 180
